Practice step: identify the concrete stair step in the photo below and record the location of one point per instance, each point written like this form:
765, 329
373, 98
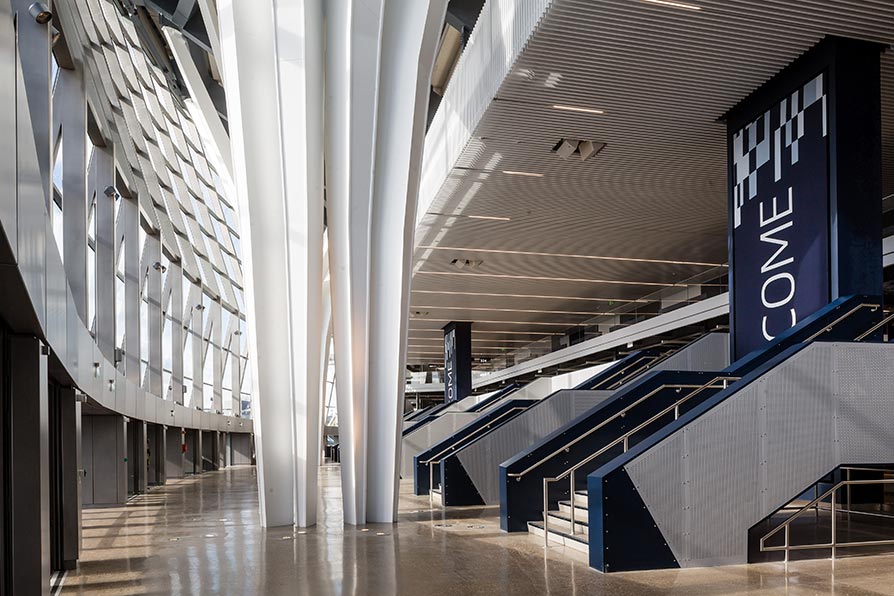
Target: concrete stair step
562, 521
581, 513
577, 541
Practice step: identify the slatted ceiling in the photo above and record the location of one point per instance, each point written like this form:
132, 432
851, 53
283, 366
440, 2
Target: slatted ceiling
630, 237
559, 266
432, 302
531, 317
489, 326
472, 283
663, 77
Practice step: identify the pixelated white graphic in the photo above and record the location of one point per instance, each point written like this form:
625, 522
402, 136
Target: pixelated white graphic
750, 154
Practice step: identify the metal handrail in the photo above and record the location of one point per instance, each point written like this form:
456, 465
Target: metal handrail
623, 439
651, 358
833, 543
831, 325
877, 326
619, 414
437, 459
546, 481
825, 329
650, 366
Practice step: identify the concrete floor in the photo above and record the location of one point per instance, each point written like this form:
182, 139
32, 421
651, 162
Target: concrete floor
201, 536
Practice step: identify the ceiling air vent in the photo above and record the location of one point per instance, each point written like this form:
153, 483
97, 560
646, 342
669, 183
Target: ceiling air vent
566, 148
466, 263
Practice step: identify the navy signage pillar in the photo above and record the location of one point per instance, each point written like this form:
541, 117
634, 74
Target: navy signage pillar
805, 190
457, 361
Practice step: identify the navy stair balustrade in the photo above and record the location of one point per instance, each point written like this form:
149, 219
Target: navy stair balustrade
433, 456
497, 396
457, 488
617, 513
522, 477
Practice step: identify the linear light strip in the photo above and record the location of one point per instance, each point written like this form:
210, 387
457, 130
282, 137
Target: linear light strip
544, 278
548, 312
517, 173
542, 333
494, 322
488, 217
581, 298
674, 4
573, 256
439, 339
578, 109
420, 348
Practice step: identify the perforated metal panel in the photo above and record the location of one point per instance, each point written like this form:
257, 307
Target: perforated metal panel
709, 482
437, 430
482, 458
709, 353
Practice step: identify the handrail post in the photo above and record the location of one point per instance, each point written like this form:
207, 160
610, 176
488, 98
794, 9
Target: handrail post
572, 502
816, 499
833, 525
431, 485
848, 472
786, 542
545, 513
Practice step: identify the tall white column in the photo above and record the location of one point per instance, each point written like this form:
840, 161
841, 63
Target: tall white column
299, 61
410, 37
353, 35
247, 45
378, 67
378, 57
275, 116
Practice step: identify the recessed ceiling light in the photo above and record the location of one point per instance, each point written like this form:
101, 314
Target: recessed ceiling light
470, 263
674, 4
514, 173
578, 109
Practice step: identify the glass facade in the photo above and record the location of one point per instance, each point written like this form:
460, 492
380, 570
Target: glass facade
150, 190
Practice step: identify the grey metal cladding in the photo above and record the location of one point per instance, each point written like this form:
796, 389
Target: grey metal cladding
482, 458
708, 353
422, 438
864, 427
709, 482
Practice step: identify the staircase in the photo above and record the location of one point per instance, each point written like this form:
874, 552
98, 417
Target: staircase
559, 524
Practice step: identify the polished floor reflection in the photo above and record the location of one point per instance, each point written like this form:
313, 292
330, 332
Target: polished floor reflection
201, 536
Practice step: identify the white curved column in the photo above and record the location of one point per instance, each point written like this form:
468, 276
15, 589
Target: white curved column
299, 61
410, 37
379, 57
275, 115
353, 31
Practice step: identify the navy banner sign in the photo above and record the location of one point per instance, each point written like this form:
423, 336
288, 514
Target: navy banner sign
780, 216
457, 361
450, 389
